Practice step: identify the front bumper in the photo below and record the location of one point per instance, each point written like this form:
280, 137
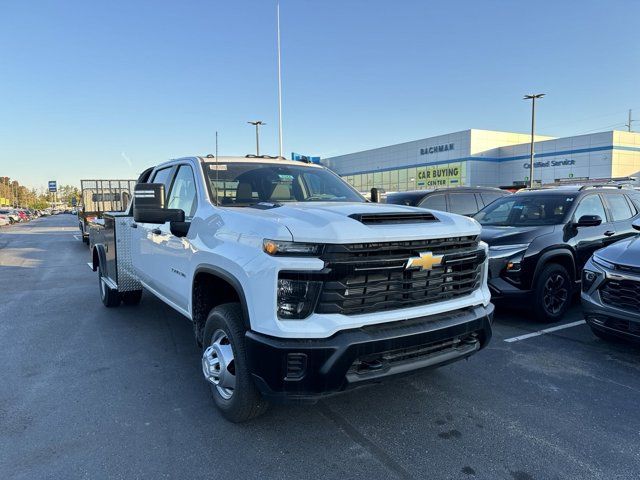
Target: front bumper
307, 369
607, 318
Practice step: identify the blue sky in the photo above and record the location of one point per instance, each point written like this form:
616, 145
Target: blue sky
105, 89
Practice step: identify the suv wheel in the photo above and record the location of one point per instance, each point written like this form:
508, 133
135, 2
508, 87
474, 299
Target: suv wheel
552, 293
224, 365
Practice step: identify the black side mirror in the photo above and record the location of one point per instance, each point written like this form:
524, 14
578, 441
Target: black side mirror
589, 221
148, 205
179, 229
376, 195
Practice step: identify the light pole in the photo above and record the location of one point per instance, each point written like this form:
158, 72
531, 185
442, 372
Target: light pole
257, 124
532, 97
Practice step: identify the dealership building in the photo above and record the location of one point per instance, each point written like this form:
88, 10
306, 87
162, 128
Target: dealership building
489, 158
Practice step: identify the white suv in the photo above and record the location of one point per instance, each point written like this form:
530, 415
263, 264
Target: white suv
297, 287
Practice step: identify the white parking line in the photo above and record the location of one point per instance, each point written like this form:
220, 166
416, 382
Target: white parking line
545, 331
77, 237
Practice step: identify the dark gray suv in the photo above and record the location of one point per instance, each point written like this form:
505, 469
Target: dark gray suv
611, 290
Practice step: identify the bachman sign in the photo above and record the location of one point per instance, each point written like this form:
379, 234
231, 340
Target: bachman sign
445, 147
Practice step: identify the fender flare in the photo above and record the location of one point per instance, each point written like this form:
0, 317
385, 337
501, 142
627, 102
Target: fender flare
231, 280
98, 251
556, 252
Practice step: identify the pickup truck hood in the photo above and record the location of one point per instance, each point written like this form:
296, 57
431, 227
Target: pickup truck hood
329, 222
496, 236
625, 252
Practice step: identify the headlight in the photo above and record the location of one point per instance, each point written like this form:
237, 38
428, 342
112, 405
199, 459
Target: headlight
500, 251
280, 247
297, 298
602, 262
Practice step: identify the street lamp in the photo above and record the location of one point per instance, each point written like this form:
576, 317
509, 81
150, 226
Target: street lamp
532, 97
257, 124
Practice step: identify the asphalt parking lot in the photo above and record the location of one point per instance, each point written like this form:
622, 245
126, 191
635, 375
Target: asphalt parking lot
90, 392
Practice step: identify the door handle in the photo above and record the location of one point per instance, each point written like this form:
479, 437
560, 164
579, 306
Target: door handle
134, 225
156, 231
608, 233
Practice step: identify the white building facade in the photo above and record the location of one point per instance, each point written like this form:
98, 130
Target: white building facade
489, 158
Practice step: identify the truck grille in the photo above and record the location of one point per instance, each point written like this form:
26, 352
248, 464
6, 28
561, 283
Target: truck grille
623, 294
371, 277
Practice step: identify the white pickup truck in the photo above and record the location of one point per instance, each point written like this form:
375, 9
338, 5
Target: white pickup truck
297, 287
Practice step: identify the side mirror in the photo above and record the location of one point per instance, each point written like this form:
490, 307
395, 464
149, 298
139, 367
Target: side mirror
636, 225
589, 221
179, 229
148, 205
376, 195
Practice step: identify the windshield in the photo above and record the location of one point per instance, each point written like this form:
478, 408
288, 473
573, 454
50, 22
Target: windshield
526, 210
243, 184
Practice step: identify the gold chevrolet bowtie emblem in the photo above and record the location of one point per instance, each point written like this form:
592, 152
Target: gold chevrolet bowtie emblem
426, 261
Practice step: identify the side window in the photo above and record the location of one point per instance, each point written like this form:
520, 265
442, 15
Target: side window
163, 176
488, 198
590, 205
619, 207
463, 203
435, 202
183, 192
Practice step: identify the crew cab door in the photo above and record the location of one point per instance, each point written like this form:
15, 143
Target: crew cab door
145, 237
587, 240
173, 254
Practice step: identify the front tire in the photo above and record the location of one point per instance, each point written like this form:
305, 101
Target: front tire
224, 365
552, 295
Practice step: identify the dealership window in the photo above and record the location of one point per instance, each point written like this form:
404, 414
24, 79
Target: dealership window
385, 180
393, 180
369, 181
377, 179
411, 183
463, 203
357, 182
619, 207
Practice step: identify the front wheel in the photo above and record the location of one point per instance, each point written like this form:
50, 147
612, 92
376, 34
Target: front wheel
224, 365
552, 294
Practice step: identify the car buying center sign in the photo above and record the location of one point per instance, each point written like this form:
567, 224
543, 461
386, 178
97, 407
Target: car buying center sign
446, 175
53, 186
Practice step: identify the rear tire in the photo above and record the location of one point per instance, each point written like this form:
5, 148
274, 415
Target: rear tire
226, 370
110, 297
131, 298
552, 293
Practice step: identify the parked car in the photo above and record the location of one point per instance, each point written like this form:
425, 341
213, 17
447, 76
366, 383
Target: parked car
611, 290
4, 220
296, 286
539, 241
11, 216
460, 200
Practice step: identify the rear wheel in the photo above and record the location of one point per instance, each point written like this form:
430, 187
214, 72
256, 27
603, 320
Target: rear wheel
109, 296
224, 365
552, 293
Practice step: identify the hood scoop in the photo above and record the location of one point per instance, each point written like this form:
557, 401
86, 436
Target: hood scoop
394, 218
